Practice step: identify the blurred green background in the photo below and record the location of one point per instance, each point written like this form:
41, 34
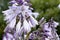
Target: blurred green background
46, 8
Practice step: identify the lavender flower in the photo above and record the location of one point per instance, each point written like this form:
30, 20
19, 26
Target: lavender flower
48, 29
8, 36
22, 1
19, 2
12, 2
25, 18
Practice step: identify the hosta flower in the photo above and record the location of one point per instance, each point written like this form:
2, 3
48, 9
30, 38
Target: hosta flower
55, 24
50, 27
19, 2
19, 18
12, 2
18, 27
8, 36
22, 1
47, 29
26, 26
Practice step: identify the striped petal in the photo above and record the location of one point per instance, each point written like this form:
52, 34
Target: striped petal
9, 17
11, 25
9, 35
7, 12
18, 26
30, 24
26, 26
33, 21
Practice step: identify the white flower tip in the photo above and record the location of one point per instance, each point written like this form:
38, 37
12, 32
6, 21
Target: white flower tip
15, 4
56, 24
31, 8
59, 6
42, 19
25, 36
35, 14
3, 11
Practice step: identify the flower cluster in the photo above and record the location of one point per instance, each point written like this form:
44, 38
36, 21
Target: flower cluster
49, 29
46, 32
19, 19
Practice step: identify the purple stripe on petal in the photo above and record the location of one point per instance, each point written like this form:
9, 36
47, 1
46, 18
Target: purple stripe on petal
12, 2
20, 2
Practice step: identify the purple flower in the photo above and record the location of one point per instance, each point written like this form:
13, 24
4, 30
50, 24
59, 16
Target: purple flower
19, 2
8, 36
31, 36
12, 2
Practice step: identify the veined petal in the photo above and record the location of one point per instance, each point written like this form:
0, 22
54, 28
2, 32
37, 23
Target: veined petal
33, 21
10, 17
11, 25
49, 33
9, 35
26, 26
46, 27
19, 33
30, 24
7, 12
18, 26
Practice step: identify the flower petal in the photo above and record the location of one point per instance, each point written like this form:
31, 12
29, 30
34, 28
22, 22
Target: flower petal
56, 24
33, 21
30, 24
35, 14
18, 26
4, 38
11, 25
26, 26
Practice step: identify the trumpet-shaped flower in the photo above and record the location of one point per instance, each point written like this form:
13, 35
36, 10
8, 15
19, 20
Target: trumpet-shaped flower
19, 18
8, 36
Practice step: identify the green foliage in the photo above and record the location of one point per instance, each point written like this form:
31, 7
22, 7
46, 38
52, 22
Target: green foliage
3, 6
46, 8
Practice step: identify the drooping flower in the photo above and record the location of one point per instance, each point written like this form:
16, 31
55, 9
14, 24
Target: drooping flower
19, 18
19, 2
8, 36
48, 29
